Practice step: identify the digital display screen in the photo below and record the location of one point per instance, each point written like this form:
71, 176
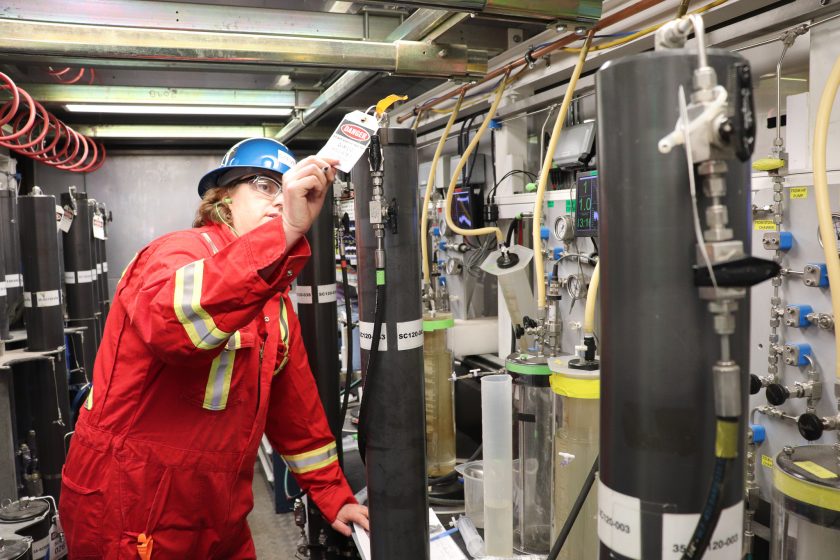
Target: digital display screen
463, 209
586, 205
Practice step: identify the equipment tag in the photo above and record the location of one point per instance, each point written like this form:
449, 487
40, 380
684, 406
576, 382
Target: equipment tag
50, 298
58, 546
677, 529
304, 294
66, 220
764, 225
326, 293
410, 335
798, 193
14, 280
350, 139
366, 336
98, 227
766, 461
69, 277
620, 522
59, 214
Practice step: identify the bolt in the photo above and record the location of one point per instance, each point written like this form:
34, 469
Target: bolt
442, 53
560, 27
517, 38
580, 31
788, 450
825, 2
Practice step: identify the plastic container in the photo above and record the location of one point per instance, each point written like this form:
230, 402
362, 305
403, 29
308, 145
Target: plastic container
439, 393
473, 473
497, 436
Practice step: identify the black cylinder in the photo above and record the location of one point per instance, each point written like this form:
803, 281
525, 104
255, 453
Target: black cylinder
319, 330
41, 273
5, 239
658, 340
97, 277
11, 254
396, 442
79, 276
102, 265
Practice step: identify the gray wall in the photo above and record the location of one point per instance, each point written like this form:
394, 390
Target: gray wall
149, 195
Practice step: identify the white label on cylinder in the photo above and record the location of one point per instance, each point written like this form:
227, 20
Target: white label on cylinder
105, 266
49, 298
410, 335
27, 299
98, 268
86, 276
366, 336
40, 548
326, 293
70, 277
304, 294
677, 529
13, 281
2, 288
620, 522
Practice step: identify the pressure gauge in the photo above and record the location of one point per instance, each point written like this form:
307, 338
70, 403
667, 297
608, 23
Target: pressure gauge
835, 220
564, 228
454, 267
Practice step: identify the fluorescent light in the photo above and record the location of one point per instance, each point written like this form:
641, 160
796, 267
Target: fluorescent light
178, 110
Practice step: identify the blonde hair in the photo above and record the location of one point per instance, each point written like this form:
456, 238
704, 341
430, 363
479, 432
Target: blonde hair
213, 208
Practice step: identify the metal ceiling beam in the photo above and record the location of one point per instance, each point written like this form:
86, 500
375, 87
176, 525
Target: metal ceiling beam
60, 93
172, 132
201, 17
575, 11
422, 24
409, 58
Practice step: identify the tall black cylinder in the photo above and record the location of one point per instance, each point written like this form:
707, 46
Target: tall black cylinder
79, 275
11, 253
396, 443
41, 273
658, 343
318, 316
5, 239
97, 277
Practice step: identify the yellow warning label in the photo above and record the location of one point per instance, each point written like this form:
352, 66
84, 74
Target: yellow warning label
767, 461
815, 469
764, 225
798, 193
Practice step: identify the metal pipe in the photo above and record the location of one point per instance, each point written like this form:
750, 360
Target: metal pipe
413, 58
576, 11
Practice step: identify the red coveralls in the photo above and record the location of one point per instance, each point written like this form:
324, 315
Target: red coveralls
191, 371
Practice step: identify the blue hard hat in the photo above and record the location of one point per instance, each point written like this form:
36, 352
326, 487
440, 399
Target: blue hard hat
250, 156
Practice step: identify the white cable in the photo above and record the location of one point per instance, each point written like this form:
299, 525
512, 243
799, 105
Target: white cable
698, 232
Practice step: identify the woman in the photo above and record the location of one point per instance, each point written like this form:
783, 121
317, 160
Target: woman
202, 355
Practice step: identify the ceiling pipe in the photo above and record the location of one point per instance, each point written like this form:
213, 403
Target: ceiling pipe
549, 11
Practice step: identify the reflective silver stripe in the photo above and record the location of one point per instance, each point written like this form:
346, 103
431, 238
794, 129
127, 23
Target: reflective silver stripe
196, 321
207, 238
312, 460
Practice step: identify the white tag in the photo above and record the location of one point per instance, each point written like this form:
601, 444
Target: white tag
410, 335
70, 277
105, 266
326, 293
350, 139
620, 522
14, 280
98, 269
59, 214
677, 529
366, 336
49, 298
66, 220
58, 546
98, 227
304, 294
2, 288
85, 276
40, 548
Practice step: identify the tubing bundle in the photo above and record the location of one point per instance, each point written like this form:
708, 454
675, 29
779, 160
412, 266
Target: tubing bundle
30, 130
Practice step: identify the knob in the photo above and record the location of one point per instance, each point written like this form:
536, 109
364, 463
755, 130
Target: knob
776, 394
755, 384
810, 426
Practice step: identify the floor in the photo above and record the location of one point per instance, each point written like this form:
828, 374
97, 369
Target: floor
275, 535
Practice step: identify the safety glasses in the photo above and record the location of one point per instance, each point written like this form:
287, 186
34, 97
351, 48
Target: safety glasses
265, 186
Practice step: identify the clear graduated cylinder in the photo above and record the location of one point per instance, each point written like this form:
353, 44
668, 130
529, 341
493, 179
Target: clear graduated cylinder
440, 411
497, 435
806, 504
575, 449
534, 419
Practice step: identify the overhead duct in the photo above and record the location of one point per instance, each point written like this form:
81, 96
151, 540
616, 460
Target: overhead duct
576, 11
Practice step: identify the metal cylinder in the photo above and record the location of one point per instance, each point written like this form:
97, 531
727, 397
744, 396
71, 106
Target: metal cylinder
318, 316
41, 273
11, 252
79, 275
658, 341
395, 453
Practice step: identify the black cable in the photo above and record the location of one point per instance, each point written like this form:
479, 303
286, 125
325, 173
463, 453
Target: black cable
444, 502
378, 318
452, 476
514, 226
348, 310
595, 244
711, 512
510, 173
573, 514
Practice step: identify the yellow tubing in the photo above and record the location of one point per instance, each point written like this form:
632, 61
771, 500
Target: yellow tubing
824, 204
539, 264
430, 184
464, 158
591, 295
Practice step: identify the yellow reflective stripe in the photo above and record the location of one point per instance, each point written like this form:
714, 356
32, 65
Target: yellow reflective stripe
198, 324
89, 399
284, 335
312, 460
218, 384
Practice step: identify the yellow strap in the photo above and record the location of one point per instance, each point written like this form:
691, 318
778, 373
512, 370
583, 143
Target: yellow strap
726, 440
144, 546
383, 104
575, 388
768, 164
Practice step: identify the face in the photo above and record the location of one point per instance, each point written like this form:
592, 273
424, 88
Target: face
255, 201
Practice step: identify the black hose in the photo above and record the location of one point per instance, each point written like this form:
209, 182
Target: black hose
511, 228
379, 317
348, 310
453, 476
711, 512
573, 514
